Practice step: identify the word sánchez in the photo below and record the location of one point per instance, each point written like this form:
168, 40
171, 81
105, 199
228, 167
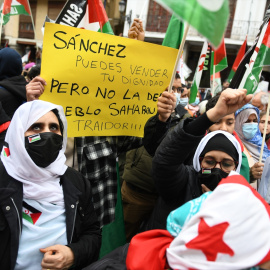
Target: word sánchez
76, 43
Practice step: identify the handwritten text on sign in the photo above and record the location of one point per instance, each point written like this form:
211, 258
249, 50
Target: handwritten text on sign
107, 85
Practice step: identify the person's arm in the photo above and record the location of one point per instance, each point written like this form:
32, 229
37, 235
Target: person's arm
158, 125
155, 128
169, 172
86, 249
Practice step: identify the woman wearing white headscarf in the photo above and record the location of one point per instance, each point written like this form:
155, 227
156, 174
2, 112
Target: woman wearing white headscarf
46, 217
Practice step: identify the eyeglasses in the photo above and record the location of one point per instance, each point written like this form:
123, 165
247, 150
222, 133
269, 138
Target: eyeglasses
226, 165
176, 88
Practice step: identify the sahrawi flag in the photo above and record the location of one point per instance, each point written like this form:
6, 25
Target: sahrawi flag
238, 59
219, 236
208, 17
14, 7
219, 58
260, 58
198, 74
241, 71
89, 15
30, 214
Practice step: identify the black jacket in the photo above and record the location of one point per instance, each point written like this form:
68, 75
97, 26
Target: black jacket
175, 181
12, 93
83, 233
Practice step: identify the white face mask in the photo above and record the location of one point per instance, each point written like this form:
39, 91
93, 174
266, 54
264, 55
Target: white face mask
177, 98
184, 101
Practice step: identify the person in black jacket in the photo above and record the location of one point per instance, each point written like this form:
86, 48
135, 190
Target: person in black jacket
178, 183
12, 83
47, 218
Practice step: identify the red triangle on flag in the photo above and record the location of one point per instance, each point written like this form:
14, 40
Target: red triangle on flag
35, 217
7, 151
26, 5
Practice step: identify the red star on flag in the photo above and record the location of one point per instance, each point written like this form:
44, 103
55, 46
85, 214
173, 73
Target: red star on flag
210, 240
201, 66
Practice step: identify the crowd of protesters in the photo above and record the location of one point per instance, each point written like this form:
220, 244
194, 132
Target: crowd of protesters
189, 186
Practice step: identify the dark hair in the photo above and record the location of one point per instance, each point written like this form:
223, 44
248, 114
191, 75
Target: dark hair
212, 102
177, 76
33, 72
61, 125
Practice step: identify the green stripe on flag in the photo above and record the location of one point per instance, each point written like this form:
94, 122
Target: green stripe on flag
107, 29
263, 58
231, 75
26, 217
253, 79
15, 10
193, 91
174, 33
208, 17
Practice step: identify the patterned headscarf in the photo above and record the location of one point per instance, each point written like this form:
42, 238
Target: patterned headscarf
254, 144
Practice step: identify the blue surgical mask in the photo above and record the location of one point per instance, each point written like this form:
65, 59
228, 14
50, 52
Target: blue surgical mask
249, 130
177, 97
196, 102
184, 101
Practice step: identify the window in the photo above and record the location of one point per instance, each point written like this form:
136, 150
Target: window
158, 18
26, 27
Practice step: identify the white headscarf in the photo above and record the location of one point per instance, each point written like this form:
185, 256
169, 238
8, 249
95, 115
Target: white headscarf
204, 141
41, 184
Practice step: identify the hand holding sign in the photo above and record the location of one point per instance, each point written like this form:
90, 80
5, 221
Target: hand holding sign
35, 88
136, 30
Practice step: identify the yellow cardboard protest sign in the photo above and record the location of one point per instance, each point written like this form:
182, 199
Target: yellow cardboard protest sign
107, 85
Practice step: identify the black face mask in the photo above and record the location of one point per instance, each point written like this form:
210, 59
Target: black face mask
212, 179
43, 148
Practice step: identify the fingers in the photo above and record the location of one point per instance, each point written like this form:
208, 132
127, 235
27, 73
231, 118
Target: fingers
138, 23
39, 79
133, 33
167, 100
136, 30
257, 170
35, 88
57, 257
205, 188
166, 104
233, 96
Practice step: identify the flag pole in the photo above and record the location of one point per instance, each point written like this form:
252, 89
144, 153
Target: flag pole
1, 25
144, 6
214, 75
265, 127
181, 47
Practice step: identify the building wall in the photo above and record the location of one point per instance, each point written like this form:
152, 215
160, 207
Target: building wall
22, 45
247, 19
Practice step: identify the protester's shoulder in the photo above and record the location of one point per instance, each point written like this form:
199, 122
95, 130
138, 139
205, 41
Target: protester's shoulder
18, 80
77, 179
